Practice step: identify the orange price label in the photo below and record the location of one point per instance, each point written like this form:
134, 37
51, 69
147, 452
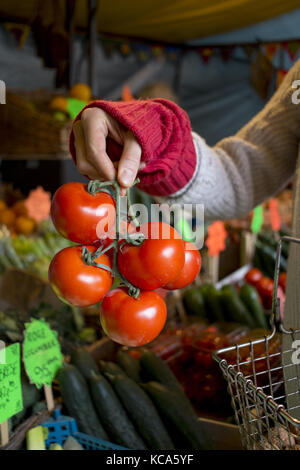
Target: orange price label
274, 214
126, 94
38, 204
216, 238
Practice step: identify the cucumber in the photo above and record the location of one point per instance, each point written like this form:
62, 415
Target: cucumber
30, 393
107, 367
84, 362
267, 238
229, 288
130, 365
213, 305
142, 412
235, 309
268, 256
249, 296
178, 415
76, 397
154, 368
257, 261
112, 414
193, 301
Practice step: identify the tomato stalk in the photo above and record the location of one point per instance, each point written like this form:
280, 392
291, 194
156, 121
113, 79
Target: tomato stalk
113, 188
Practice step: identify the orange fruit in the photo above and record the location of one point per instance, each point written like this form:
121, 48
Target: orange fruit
7, 217
59, 103
20, 208
81, 91
24, 225
12, 231
2, 205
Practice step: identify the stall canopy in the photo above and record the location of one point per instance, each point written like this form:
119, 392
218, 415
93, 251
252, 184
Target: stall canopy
163, 20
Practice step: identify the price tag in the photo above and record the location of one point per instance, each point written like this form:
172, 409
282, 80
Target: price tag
38, 204
274, 215
41, 353
11, 401
126, 94
185, 230
74, 106
257, 219
216, 238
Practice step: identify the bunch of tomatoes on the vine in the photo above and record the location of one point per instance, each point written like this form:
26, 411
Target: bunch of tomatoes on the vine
143, 258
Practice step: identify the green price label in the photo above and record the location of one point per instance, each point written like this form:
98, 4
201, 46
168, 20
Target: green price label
41, 353
75, 106
257, 219
11, 401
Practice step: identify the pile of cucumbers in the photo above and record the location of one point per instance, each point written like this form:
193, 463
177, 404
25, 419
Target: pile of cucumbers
137, 404
226, 304
265, 253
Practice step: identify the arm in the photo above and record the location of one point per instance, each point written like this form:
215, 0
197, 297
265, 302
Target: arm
230, 178
242, 171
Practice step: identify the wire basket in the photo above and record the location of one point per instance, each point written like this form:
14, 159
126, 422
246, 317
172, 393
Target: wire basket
257, 373
28, 128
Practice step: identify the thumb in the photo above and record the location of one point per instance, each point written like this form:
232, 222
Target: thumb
129, 162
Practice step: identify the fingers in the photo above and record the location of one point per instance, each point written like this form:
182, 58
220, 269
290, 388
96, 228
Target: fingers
84, 167
94, 124
130, 161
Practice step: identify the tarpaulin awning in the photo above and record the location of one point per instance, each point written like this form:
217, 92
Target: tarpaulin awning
161, 20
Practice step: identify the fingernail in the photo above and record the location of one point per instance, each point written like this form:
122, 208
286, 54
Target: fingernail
126, 177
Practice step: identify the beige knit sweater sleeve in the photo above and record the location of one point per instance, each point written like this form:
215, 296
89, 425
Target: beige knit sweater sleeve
242, 171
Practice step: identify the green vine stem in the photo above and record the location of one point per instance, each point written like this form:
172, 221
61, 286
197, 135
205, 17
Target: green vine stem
113, 188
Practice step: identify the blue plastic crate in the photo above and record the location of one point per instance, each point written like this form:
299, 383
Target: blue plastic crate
60, 427
93, 443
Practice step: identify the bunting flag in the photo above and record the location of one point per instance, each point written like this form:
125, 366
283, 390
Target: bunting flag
146, 51
158, 51
125, 49
109, 48
281, 73
271, 50
172, 52
249, 51
206, 54
226, 52
292, 49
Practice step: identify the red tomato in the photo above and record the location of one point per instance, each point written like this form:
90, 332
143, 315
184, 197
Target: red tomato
190, 270
81, 217
130, 321
265, 289
157, 261
76, 283
282, 281
253, 276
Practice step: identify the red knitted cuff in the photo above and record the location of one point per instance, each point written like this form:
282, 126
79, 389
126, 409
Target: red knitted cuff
163, 130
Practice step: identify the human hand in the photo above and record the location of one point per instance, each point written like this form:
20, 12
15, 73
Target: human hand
92, 160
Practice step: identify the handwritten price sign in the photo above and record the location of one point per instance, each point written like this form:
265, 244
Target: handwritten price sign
10, 383
41, 353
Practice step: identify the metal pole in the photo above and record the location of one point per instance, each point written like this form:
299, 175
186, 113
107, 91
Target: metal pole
92, 40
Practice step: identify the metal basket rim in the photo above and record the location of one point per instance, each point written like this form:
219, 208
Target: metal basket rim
248, 384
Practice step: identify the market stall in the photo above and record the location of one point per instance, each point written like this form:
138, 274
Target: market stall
114, 335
